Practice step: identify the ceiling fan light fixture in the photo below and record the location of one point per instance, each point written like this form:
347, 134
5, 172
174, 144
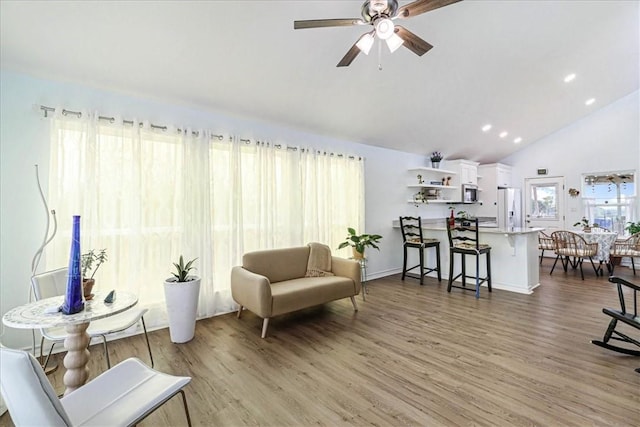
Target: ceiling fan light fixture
384, 28
378, 6
394, 42
365, 43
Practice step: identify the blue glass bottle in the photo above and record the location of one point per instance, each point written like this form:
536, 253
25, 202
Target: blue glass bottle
73, 297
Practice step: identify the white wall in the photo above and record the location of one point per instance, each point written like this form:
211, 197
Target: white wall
24, 142
607, 140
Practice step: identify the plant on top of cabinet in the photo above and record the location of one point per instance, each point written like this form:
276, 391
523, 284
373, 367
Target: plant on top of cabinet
436, 156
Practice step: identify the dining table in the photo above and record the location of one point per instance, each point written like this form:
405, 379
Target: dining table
605, 240
46, 313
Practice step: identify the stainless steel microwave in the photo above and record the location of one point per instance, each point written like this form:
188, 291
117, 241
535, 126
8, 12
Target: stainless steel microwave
469, 193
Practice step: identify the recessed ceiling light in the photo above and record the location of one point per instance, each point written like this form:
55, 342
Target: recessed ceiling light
503, 134
589, 101
518, 140
569, 77
486, 128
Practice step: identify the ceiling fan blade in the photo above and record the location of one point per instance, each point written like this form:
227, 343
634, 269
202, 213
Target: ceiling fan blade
412, 42
349, 57
320, 23
422, 6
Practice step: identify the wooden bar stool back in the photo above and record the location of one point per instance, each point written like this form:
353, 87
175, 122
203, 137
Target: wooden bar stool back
412, 238
463, 240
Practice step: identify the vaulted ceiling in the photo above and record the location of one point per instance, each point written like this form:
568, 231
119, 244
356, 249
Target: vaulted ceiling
494, 62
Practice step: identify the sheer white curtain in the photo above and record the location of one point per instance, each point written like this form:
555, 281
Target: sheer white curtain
332, 197
150, 195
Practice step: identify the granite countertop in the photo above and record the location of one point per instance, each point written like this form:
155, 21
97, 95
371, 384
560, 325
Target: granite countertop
489, 230
438, 225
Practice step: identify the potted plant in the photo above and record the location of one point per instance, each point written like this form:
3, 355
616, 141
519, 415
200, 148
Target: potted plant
420, 198
584, 223
359, 242
436, 158
633, 227
181, 292
89, 263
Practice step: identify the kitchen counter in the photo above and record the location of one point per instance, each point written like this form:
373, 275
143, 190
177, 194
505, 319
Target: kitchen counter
514, 255
488, 229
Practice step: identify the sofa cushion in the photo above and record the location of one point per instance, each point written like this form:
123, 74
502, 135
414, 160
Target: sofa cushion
278, 264
297, 294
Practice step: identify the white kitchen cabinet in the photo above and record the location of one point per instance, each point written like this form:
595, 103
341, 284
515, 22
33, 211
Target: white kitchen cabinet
467, 171
438, 183
494, 176
503, 175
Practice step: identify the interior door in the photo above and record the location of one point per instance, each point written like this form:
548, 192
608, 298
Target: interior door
544, 203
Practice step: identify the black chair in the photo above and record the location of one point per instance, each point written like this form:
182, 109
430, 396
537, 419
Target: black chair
412, 238
463, 240
630, 318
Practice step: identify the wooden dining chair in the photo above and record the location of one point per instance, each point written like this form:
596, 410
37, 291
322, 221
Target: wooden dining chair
464, 240
572, 249
412, 238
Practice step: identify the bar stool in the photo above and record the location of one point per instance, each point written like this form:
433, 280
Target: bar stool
463, 240
412, 238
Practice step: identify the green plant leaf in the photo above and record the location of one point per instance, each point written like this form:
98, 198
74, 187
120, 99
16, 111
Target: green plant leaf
360, 242
182, 270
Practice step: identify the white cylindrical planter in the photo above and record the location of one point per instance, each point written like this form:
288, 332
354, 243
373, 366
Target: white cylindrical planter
182, 307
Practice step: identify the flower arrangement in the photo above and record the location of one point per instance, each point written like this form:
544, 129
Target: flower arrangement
436, 156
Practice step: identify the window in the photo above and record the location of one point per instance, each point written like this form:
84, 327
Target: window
149, 195
544, 199
609, 199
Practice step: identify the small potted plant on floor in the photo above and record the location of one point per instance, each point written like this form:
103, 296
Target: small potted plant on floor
90, 262
181, 292
359, 242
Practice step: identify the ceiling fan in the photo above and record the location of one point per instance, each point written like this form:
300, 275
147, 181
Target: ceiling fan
380, 14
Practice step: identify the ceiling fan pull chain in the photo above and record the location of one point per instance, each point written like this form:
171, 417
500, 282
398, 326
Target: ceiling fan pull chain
379, 55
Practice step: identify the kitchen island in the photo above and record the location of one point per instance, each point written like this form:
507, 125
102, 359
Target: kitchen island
514, 255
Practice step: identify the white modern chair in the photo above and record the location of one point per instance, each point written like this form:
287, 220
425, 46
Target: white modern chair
54, 283
121, 396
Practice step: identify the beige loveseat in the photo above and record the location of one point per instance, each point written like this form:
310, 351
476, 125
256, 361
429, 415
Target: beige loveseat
278, 281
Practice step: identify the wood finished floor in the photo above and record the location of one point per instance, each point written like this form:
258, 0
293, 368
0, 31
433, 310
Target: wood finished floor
412, 355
